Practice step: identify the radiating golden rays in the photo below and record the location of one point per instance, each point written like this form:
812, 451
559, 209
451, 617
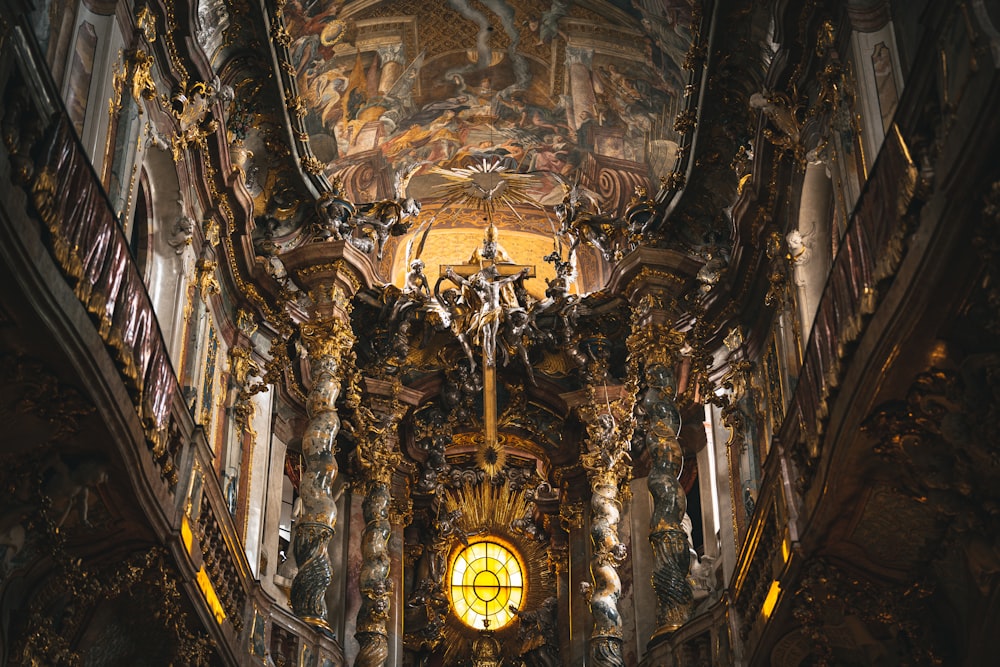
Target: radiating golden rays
486, 186
488, 511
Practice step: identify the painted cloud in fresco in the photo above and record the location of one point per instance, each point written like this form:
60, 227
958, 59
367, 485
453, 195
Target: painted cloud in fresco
543, 86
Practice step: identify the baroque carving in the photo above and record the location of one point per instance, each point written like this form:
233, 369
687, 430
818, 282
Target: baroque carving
667, 536
847, 618
607, 462
133, 74
377, 457
192, 109
327, 341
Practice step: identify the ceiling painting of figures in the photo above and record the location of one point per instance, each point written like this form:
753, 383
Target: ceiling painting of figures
578, 92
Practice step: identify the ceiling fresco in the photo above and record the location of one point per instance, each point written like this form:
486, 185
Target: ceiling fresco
400, 96
543, 85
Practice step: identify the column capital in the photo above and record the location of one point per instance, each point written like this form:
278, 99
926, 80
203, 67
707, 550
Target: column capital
331, 273
378, 453
655, 276
327, 338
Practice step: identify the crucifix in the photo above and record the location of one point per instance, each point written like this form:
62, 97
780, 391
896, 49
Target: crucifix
487, 278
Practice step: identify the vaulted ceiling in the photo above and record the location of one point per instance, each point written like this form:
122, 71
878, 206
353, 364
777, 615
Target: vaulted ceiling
403, 99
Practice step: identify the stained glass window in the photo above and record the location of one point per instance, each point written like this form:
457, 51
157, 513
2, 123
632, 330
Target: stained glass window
486, 579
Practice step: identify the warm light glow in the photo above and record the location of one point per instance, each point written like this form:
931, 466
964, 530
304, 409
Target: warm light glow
208, 590
186, 537
486, 579
771, 599
712, 474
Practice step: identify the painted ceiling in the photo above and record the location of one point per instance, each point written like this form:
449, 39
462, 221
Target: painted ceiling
403, 98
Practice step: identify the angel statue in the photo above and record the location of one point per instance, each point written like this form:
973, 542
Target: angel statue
580, 219
388, 217
334, 214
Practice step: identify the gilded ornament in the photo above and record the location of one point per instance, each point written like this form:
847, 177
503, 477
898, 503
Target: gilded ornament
134, 72
329, 337
191, 107
311, 165
280, 35
246, 322
686, 121
675, 180
295, 105
571, 515
205, 279
145, 21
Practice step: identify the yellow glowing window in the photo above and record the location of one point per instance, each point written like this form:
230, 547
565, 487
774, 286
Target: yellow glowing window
486, 579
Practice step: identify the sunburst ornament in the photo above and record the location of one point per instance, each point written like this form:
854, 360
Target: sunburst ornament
487, 512
484, 185
491, 456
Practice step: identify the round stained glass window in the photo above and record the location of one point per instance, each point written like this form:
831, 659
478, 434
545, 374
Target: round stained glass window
486, 580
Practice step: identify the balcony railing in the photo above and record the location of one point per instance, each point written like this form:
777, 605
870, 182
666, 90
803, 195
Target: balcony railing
870, 253
83, 237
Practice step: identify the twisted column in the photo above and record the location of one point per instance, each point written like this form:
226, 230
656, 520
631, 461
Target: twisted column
326, 340
609, 434
667, 353
377, 456
609, 552
374, 583
671, 555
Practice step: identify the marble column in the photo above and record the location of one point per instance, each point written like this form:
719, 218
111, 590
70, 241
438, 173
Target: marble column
330, 273
810, 245
607, 464
326, 340
671, 556
372, 633
666, 365
377, 456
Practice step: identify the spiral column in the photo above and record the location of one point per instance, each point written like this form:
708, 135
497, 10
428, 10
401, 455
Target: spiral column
326, 340
658, 346
665, 358
330, 273
671, 554
372, 633
607, 463
377, 457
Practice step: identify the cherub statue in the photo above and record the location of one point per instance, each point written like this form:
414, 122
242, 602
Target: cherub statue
566, 274
334, 214
389, 217
514, 336
460, 389
181, 234
416, 281
581, 226
606, 446
537, 634
448, 530
414, 294
435, 467
456, 315
557, 314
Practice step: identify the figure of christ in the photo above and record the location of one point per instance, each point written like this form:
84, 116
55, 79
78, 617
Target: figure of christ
486, 285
